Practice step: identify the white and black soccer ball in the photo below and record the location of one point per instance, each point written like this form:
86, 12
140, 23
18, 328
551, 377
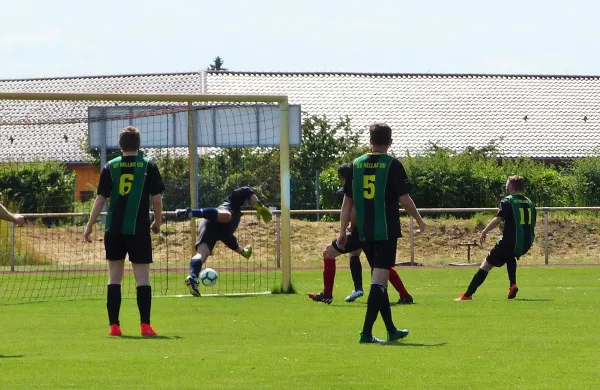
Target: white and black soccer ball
209, 277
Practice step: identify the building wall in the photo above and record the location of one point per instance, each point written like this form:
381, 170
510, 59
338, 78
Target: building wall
86, 181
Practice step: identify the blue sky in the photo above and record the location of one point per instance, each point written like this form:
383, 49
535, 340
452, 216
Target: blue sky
71, 38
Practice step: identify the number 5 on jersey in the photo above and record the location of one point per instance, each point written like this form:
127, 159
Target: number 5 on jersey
369, 186
125, 183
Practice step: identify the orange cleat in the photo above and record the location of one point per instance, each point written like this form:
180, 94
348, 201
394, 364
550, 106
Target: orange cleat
147, 330
512, 291
115, 330
463, 297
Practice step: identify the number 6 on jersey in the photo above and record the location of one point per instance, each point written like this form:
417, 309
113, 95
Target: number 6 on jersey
125, 183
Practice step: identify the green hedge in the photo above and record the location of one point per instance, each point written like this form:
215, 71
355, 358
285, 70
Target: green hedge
38, 187
443, 178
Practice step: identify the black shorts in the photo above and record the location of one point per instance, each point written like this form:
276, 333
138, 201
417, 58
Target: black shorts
381, 254
501, 254
352, 244
210, 232
138, 247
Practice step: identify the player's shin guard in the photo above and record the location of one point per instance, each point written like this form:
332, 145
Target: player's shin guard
210, 213
477, 281
397, 283
376, 295
356, 271
113, 303
386, 312
144, 302
328, 276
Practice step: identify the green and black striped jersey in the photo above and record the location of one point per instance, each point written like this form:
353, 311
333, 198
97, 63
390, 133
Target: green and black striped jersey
128, 182
519, 216
377, 182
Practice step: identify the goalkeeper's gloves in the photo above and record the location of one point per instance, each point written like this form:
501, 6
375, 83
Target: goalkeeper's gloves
247, 252
183, 213
263, 212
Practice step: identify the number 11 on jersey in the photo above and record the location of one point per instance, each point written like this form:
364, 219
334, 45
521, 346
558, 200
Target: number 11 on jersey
523, 221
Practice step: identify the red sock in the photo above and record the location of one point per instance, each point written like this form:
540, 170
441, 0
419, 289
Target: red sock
397, 282
328, 276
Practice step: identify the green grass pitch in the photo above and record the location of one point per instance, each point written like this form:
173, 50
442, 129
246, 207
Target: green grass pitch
548, 337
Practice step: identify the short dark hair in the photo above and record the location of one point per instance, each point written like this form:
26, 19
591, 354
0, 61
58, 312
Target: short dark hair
345, 170
517, 182
129, 139
381, 134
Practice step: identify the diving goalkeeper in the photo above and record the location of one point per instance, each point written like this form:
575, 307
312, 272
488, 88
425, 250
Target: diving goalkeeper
220, 224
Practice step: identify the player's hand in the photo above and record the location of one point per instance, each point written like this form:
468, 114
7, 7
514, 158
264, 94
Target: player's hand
86, 233
422, 226
342, 240
264, 213
482, 237
19, 220
155, 228
183, 213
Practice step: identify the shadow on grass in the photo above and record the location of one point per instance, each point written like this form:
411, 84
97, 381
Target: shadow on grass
402, 304
149, 338
532, 300
11, 356
47, 300
403, 344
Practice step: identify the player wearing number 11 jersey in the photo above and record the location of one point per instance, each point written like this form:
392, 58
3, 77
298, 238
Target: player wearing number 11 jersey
518, 214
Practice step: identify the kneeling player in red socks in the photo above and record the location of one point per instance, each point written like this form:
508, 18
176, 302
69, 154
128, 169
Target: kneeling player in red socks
332, 251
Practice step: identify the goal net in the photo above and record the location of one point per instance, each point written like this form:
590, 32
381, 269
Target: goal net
53, 147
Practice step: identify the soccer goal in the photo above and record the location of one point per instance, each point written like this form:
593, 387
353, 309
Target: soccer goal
204, 147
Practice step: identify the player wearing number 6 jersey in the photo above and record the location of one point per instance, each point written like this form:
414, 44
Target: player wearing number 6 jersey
129, 181
378, 182
518, 214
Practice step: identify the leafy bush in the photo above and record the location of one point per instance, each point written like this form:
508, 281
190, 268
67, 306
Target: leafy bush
42, 187
586, 181
329, 184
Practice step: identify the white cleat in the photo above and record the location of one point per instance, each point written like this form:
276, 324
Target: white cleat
354, 295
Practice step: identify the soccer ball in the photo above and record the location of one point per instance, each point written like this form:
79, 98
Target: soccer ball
209, 277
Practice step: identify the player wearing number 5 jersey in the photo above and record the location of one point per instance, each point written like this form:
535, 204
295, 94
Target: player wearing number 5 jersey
129, 182
378, 182
519, 215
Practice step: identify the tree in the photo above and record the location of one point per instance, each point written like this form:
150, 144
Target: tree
324, 145
217, 65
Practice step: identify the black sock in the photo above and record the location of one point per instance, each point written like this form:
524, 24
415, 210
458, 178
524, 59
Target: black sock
373, 306
511, 268
113, 303
210, 213
386, 312
144, 301
477, 280
195, 267
356, 271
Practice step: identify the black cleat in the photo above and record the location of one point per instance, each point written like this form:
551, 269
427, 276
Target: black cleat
320, 297
407, 300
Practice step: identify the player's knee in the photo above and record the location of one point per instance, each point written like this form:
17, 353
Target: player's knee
224, 216
202, 252
486, 266
330, 252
